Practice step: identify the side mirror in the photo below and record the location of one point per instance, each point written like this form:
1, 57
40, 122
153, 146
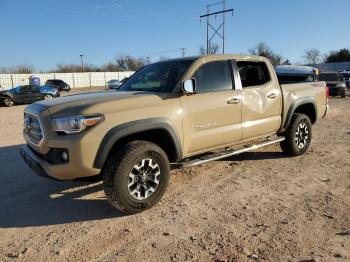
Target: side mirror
189, 87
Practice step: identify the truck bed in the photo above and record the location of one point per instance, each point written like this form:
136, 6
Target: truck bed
294, 94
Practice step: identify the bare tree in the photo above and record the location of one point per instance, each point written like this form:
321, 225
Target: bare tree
110, 67
312, 56
74, 68
163, 58
18, 69
129, 63
212, 49
262, 49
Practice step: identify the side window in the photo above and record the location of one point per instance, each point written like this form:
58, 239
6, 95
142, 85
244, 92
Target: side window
213, 76
253, 73
35, 88
24, 89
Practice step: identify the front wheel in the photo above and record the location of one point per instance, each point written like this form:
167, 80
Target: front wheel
136, 176
47, 97
298, 136
8, 101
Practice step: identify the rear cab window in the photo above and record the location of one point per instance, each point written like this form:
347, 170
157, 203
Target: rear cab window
213, 77
253, 73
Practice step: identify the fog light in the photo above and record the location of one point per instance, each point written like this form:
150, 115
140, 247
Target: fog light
65, 156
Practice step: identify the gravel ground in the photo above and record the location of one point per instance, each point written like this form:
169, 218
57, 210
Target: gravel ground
259, 206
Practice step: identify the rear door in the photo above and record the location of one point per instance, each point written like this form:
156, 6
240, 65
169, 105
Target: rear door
211, 116
261, 99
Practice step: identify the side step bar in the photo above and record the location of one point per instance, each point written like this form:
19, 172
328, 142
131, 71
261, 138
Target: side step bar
225, 154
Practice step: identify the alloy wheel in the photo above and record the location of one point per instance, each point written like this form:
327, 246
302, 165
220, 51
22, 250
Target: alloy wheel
301, 135
8, 101
143, 179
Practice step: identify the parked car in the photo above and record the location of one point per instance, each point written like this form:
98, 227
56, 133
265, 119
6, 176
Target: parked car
58, 84
27, 94
177, 111
115, 84
346, 76
288, 74
335, 83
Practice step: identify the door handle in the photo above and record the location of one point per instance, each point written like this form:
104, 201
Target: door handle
272, 95
233, 101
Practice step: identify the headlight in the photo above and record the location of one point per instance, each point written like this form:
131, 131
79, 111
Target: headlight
341, 85
75, 124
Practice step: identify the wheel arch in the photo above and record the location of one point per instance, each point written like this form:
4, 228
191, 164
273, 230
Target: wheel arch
305, 106
160, 131
7, 95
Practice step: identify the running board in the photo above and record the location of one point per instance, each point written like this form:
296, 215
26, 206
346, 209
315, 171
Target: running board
225, 154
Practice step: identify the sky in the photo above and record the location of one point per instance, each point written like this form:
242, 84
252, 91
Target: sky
43, 33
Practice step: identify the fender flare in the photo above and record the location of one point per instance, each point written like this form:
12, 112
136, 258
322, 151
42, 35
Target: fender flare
298, 102
134, 127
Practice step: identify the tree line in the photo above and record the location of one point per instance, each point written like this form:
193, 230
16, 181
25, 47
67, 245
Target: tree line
311, 57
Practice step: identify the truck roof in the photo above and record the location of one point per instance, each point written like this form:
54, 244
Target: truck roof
221, 56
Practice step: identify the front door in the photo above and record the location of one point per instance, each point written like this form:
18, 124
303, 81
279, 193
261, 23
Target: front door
22, 94
35, 93
211, 116
261, 99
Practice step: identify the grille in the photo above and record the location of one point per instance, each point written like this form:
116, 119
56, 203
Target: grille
32, 129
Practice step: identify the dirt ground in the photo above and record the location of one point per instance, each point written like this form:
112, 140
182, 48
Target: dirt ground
259, 206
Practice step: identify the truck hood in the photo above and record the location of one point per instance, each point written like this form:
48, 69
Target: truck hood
98, 102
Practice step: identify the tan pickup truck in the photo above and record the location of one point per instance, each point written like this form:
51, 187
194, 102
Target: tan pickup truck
180, 112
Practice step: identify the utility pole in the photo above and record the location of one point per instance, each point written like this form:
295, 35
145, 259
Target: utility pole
183, 51
219, 31
82, 63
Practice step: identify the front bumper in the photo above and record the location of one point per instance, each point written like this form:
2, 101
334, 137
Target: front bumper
66, 171
33, 162
336, 91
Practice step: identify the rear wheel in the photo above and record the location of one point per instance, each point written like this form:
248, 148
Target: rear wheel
135, 176
8, 101
47, 97
298, 136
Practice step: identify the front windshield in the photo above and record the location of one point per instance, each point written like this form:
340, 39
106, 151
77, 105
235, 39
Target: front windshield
159, 77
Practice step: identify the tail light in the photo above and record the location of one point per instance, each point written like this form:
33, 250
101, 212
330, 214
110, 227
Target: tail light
327, 93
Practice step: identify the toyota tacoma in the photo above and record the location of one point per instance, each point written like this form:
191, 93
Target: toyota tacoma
181, 112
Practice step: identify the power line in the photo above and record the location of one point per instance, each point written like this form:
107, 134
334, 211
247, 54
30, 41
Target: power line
220, 30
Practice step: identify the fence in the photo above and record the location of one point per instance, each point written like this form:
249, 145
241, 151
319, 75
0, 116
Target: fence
88, 79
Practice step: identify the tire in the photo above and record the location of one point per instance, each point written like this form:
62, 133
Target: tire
125, 178
343, 95
298, 136
8, 101
47, 97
